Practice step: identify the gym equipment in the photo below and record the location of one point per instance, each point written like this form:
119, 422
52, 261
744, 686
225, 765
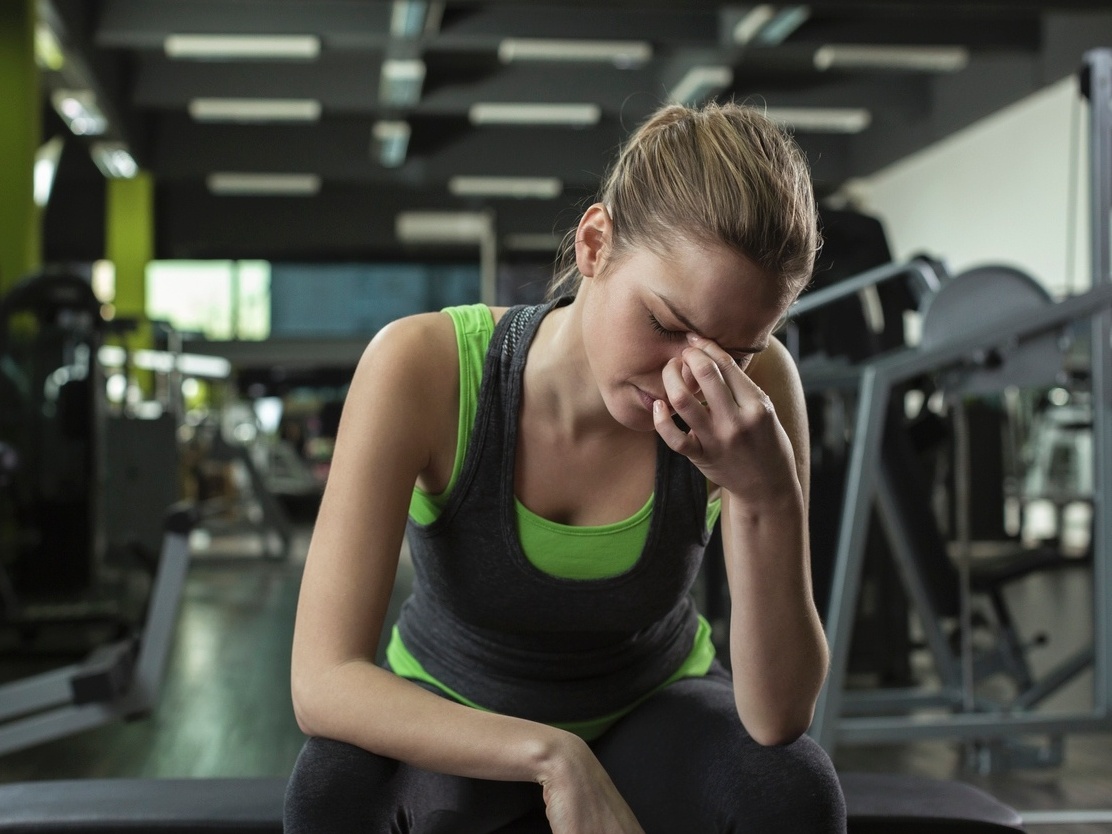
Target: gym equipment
119, 680
875, 803
974, 345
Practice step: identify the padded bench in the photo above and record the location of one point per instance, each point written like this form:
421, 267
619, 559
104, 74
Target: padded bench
894, 804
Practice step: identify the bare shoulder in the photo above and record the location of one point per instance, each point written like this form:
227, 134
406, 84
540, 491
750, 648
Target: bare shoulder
775, 372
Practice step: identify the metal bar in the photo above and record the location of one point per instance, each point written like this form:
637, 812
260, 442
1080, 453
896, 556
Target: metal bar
1099, 68
967, 726
39, 692
927, 277
915, 584
850, 554
162, 616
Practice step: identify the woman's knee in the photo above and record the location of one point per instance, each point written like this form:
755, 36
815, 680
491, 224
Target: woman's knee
792, 787
334, 786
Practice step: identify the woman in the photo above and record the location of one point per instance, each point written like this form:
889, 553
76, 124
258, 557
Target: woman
558, 469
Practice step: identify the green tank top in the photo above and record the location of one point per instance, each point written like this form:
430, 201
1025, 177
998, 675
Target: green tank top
564, 551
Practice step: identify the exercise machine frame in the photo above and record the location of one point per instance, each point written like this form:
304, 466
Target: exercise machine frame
865, 487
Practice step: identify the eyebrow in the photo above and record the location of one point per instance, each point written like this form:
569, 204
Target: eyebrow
682, 319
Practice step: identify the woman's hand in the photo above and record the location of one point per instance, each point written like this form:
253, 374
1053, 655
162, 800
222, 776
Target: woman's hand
735, 437
580, 798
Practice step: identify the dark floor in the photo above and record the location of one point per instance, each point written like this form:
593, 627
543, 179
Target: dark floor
225, 706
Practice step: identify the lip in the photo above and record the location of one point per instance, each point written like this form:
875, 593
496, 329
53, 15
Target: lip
647, 399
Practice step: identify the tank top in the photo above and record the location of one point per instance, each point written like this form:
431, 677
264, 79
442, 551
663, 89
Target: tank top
491, 629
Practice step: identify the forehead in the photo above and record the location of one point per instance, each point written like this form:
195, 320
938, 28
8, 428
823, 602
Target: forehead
718, 289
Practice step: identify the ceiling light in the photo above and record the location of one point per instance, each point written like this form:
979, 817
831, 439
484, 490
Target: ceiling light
909, 58
822, 119
442, 226
544, 188
277, 184
80, 111
48, 52
400, 84
255, 109
46, 166
700, 83
243, 47
768, 26
532, 242
114, 160
391, 139
623, 54
410, 19
574, 115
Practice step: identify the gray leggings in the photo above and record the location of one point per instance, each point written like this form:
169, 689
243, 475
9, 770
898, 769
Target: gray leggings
681, 760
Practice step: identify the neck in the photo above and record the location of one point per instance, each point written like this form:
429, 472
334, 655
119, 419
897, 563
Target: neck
559, 386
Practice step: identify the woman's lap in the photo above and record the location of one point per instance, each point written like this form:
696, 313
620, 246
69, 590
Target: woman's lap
681, 760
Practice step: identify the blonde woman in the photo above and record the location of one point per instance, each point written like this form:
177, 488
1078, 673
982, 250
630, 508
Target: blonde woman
557, 469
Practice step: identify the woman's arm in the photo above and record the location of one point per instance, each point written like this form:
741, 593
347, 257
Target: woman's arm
402, 398
778, 651
749, 436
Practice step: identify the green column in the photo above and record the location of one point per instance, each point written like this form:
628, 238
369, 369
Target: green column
20, 128
129, 245
129, 240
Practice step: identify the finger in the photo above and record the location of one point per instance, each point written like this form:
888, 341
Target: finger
712, 385
685, 399
676, 438
735, 378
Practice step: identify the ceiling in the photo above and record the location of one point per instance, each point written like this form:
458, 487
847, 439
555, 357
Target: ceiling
118, 50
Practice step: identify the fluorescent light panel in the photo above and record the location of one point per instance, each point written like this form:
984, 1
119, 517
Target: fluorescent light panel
114, 160
391, 140
228, 183
544, 188
700, 83
495, 113
46, 166
409, 19
767, 25
255, 109
624, 54
401, 81
822, 119
442, 226
906, 58
80, 111
243, 47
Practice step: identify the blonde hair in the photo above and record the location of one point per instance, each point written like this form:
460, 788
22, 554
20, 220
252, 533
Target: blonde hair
719, 173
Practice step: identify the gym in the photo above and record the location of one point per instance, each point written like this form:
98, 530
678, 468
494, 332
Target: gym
209, 208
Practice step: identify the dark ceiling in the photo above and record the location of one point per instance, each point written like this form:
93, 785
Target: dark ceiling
118, 49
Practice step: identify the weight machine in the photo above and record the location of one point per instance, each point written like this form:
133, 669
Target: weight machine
981, 331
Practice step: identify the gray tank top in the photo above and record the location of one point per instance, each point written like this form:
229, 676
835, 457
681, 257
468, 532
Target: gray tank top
489, 625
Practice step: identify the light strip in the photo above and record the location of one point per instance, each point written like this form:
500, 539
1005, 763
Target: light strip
907, 58
227, 183
624, 54
161, 361
407, 18
401, 81
255, 109
391, 139
786, 21
46, 166
574, 115
243, 47
822, 119
531, 242
442, 226
48, 51
80, 111
114, 160
700, 83
543, 188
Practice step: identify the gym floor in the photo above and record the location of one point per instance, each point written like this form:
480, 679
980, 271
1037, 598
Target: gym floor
225, 705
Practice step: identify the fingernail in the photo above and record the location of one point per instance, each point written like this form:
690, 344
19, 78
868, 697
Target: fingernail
693, 338
658, 406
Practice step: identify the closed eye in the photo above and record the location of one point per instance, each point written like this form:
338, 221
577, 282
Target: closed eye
664, 331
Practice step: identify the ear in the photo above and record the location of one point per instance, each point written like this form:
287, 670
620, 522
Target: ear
592, 240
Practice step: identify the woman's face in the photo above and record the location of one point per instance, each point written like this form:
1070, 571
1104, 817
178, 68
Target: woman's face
639, 310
